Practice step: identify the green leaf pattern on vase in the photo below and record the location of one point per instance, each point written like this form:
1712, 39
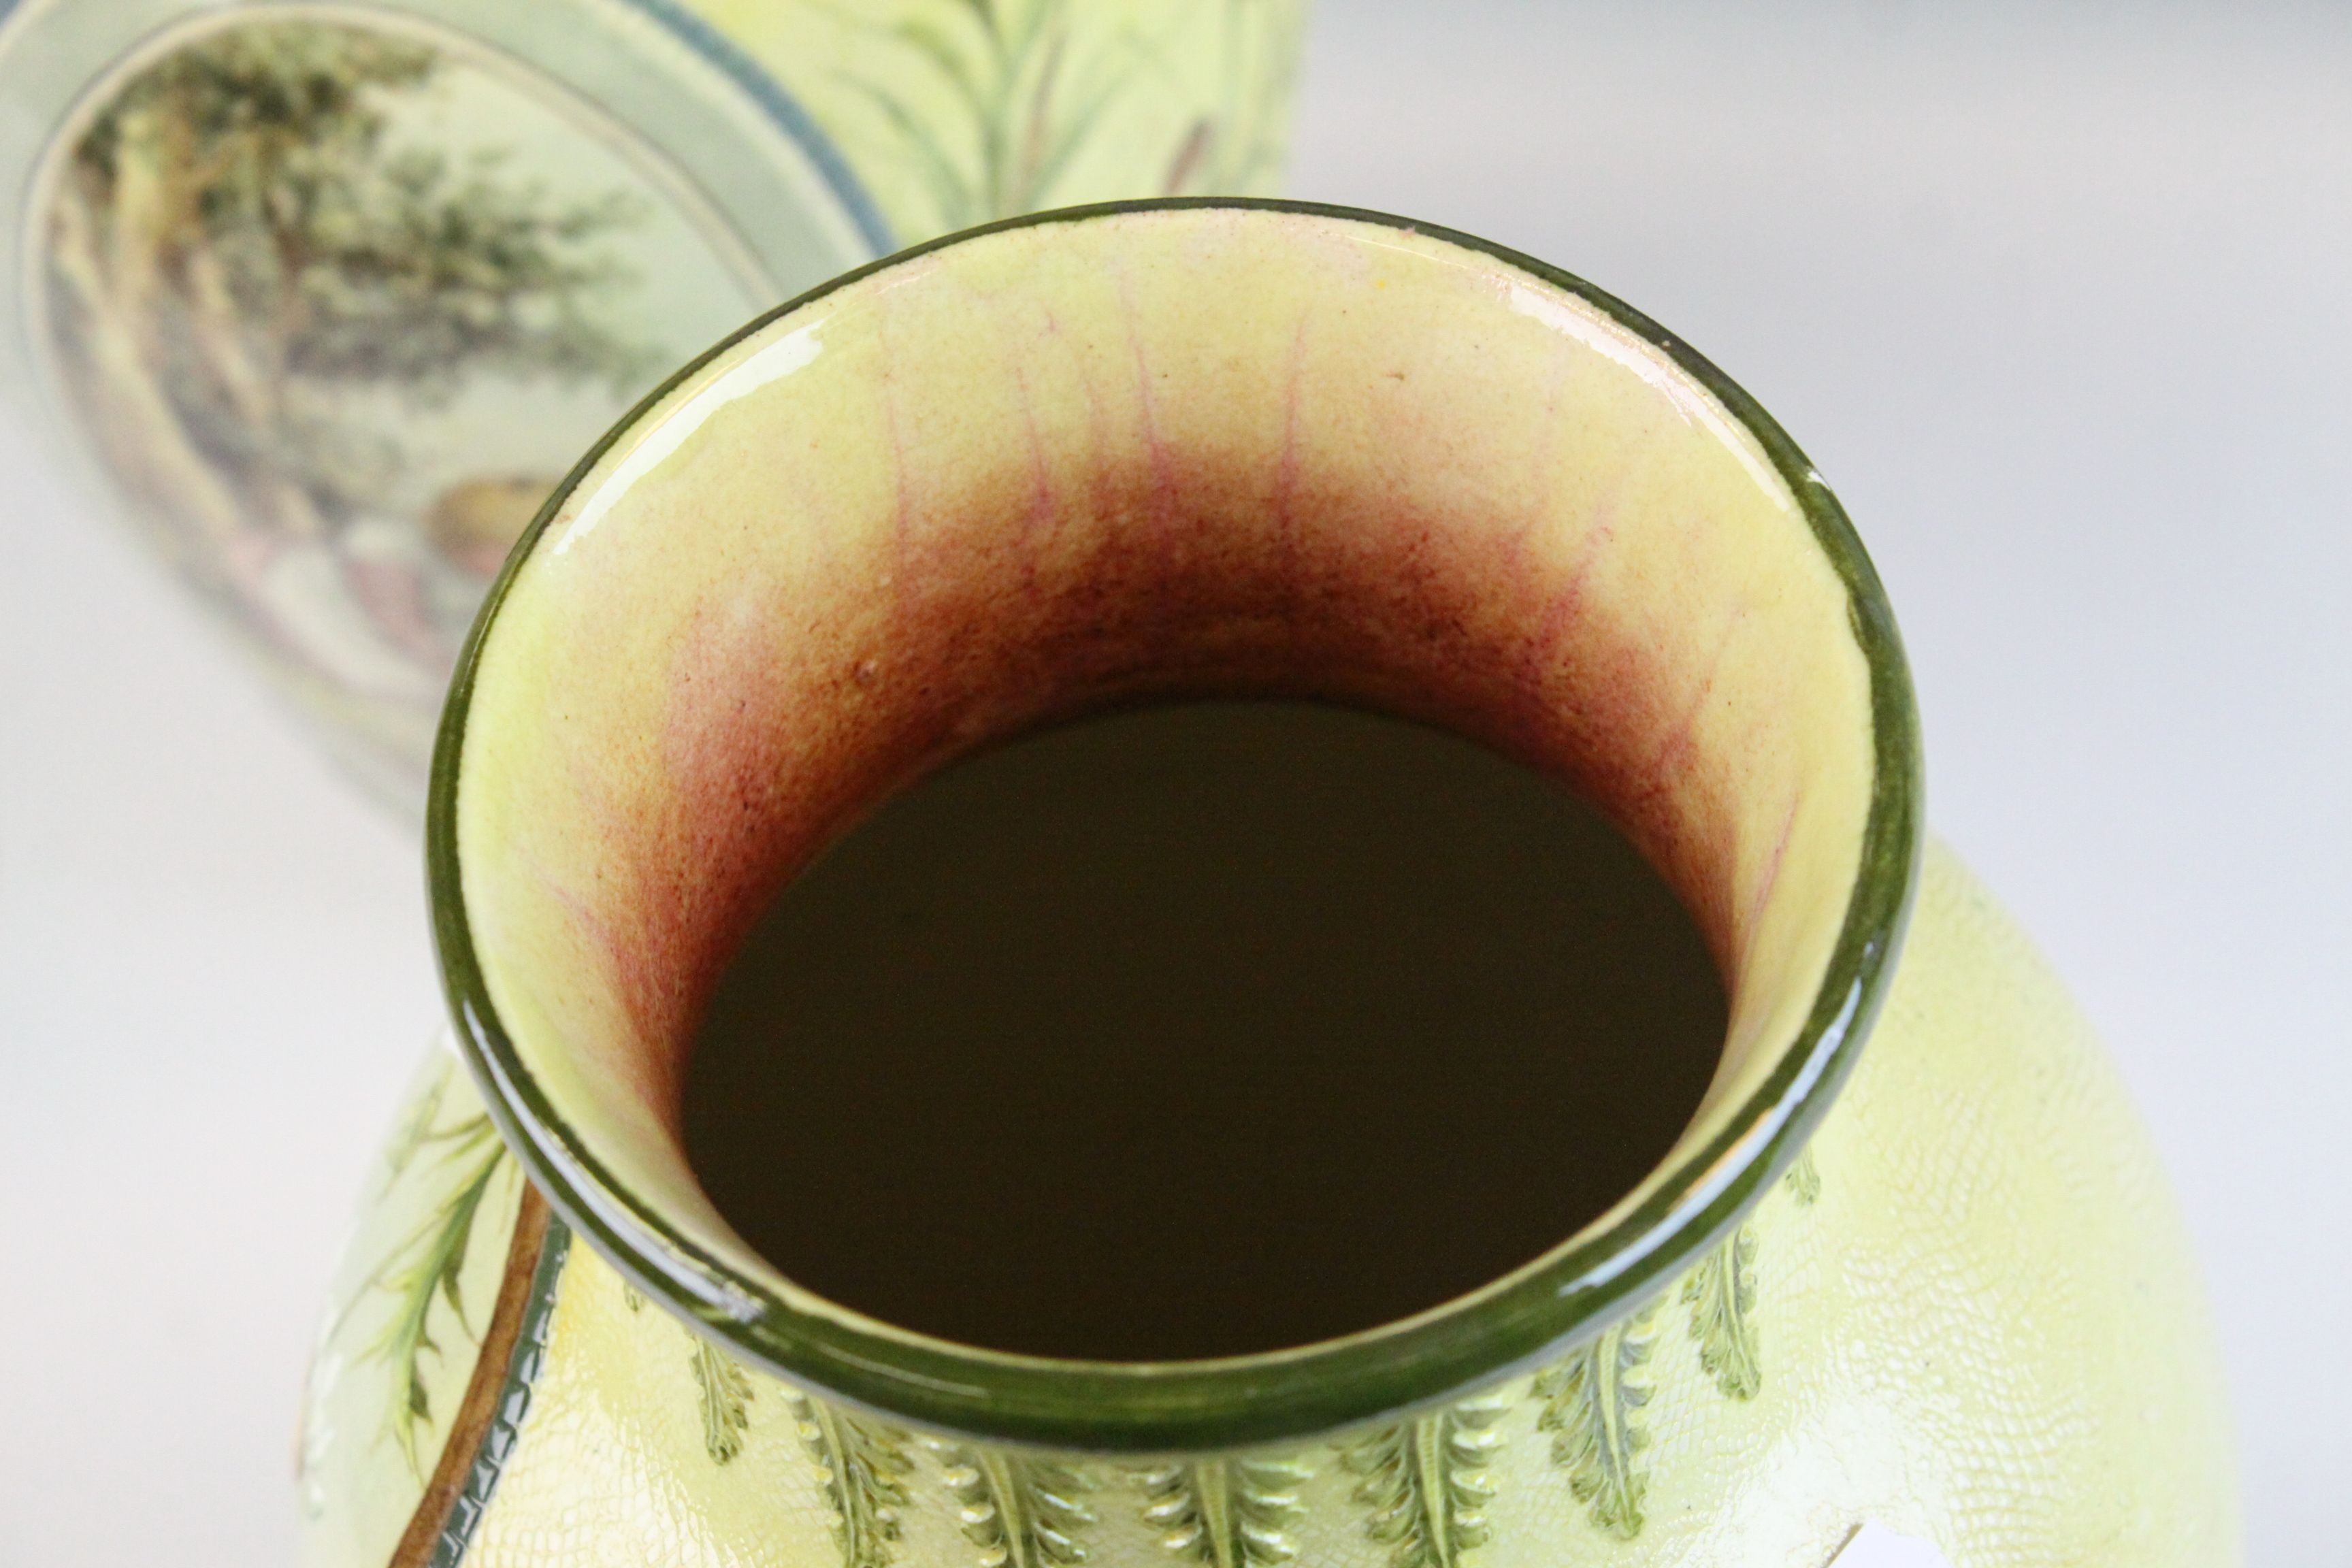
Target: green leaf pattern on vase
866, 1466
1414, 453
1225, 1513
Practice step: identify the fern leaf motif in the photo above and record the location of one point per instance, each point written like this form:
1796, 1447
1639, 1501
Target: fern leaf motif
726, 1392
426, 1268
1021, 1512
1001, 106
1804, 1178
1225, 1513
1424, 1482
1721, 1294
866, 1467
416, 1127
1592, 1405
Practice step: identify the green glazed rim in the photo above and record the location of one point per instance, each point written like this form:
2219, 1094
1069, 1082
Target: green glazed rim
1536, 1313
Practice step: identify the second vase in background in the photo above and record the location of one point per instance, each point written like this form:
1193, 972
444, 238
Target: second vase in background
332, 296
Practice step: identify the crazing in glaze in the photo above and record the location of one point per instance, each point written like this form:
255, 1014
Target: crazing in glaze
1933, 1283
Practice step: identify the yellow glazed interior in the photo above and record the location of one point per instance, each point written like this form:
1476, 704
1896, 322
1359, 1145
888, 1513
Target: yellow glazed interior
1178, 450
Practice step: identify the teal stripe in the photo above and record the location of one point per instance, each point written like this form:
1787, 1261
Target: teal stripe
783, 108
505, 1430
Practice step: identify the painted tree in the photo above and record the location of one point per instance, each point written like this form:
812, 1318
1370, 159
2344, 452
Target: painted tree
238, 244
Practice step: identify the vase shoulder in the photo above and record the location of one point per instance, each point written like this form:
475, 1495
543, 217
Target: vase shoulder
1968, 1314
425, 1299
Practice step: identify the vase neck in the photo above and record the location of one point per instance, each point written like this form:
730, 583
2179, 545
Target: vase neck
1175, 452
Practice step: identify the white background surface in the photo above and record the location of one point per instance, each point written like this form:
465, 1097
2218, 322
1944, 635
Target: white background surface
2058, 302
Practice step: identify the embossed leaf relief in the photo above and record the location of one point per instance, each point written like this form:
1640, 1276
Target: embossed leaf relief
726, 1392
865, 1466
1804, 1178
1021, 1512
1591, 1406
1424, 1482
1227, 1513
1721, 1292
1593, 1400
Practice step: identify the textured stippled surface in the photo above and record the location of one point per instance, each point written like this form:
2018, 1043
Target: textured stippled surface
1129, 454
1970, 1313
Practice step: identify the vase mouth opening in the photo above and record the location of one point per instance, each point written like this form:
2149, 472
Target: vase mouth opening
1119, 455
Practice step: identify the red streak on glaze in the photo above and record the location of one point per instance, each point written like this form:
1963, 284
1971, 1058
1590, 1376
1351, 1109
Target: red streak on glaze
696, 868
1099, 443
1039, 519
1543, 465
1771, 876
1147, 402
1006, 601
1559, 613
1680, 747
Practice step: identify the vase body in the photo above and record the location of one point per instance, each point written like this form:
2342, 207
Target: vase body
1968, 1314
1909, 1264
328, 297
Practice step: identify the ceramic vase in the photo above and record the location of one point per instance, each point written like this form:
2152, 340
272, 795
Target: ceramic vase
1910, 1269
329, 295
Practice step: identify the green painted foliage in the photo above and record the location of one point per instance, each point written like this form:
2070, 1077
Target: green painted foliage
726, 1393
994, 106
866, 1466
1225, 1513
1424, 1480
1591, 1404
1804, 1178
1721, 1294
424, 1271
1021, 1511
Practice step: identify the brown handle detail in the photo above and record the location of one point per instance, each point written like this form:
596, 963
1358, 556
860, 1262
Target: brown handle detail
483, 1389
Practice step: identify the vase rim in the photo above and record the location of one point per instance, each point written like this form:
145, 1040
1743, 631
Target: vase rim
1564, 1297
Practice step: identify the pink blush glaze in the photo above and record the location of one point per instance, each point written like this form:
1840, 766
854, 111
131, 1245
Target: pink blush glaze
1010, 603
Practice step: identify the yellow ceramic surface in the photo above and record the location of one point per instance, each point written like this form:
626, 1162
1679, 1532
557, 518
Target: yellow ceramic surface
1920, 1272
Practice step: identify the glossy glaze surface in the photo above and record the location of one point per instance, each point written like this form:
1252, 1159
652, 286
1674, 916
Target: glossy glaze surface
1241, 449
1232, 439
1969, 1314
